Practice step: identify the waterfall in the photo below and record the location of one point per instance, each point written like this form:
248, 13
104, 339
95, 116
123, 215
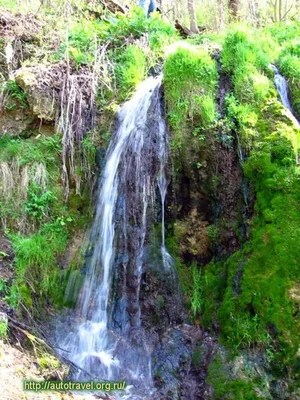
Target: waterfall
106, 339
282, 89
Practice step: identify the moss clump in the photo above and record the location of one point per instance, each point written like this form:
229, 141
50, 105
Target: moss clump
264, 308
48, 362
36, 266
130, 70
242, 49
227, 387
190, 79
247, 62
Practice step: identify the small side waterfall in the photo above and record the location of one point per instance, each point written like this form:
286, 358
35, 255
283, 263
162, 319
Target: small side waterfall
106, 339
282, 89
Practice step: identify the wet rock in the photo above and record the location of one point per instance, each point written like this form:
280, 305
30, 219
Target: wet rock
172, 362
100, 158
237, 280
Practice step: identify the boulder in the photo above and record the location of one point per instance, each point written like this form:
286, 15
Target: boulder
42, 100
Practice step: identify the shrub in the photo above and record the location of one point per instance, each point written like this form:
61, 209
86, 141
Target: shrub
250, 86
241, 49
285, 32
38, 203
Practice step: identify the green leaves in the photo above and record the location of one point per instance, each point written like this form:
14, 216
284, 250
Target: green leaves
38, 202
16, 96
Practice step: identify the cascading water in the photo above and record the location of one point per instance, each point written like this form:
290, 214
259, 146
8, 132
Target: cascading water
282, 89
106, 339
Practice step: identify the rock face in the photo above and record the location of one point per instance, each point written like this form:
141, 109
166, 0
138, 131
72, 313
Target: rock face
6, 258
41, 99
27, 106
172, 363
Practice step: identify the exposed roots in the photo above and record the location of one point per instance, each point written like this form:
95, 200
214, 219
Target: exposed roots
39, 175
25, 180
6, 180
76, 116
59, 93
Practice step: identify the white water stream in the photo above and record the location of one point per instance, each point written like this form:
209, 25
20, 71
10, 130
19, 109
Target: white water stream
126, 192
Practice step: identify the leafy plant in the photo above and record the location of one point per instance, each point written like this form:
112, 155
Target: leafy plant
14, 92
196, 301
38, 202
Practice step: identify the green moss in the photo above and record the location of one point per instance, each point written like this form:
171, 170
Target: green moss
130, 70
257, 307
252, 295
250, 86
229, 388
36, 260
241, 49
190, 79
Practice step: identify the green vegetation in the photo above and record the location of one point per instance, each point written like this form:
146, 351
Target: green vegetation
130, 70
15, 96
245, 291
190, 78
289, 63
3, 329
125, 63
120, 51
227, 388
252, 295
38, 221
36, 265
